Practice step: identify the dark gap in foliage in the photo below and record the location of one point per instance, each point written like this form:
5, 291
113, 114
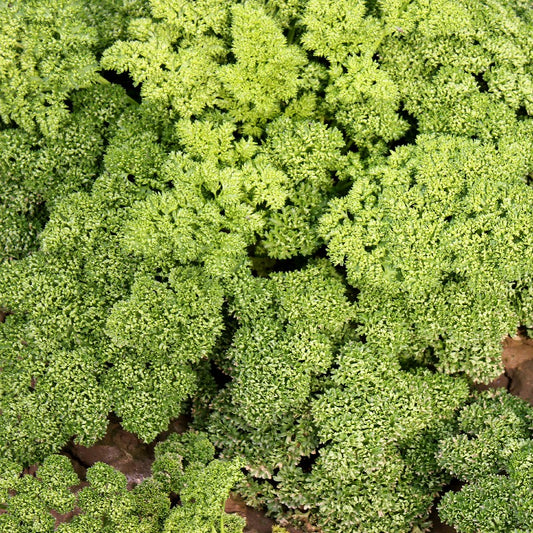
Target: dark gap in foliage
230, 58
372, 8
69, 105
220, 377
42, 215
261, 265
438, 525
349, 145
207, 194
77, 464
259, 139
321, 252
125, 81
330, 122
412, 132
289, 202
75, 460
271, 480
509, 381
3, 125
112, 417
237, 135
219, 366
131, 179
363, 152
295, 33
169, 185
3, 313
99, 162
376, 58
522, 330
427, 361
522, 9
332, 369
230, 322
431, 367
283, 106
352, 293
307, 462
453, 277
261, 206
318, 59
521, 113
341, 187
293, 263
105, 144
481, 83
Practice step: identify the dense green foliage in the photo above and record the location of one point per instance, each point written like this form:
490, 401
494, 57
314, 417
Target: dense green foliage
435, 241
303, 221
55, 107
493, 456
184, 467
372, 436
37, 170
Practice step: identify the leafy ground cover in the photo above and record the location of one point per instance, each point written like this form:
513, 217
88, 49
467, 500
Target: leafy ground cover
128, 454
303, 224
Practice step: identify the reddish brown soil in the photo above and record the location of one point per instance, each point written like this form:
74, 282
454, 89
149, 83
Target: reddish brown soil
122, 450
256, 521
518, 361
438, 525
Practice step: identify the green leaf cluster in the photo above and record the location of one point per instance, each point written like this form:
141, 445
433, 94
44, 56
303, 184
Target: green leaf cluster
339, 431
379, 427
76, 304
196, 56
289, 327
47, 52
28, 500
493, 455
36, 170
462, 68
55, 108
184, 467
435, 240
